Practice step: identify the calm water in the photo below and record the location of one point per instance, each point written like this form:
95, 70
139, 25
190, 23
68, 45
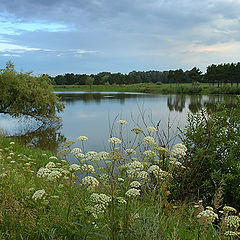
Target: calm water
93, 114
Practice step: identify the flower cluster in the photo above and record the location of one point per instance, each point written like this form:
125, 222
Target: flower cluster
114, 140
132, 193
39, 194
92, 156
74, 167
133, 168
229, 209
151, 129
179, 150
82, 138
130, 151
209, 215
90, 181
143, 175
121, 122
88, 168
135, 184
150, 154
232, 221
76, 151
43, 172
149, 140
54, 175
100, 202
50, 165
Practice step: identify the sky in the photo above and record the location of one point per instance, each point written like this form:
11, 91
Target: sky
91, 36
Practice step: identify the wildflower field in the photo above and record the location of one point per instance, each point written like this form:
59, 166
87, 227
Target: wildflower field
133, 191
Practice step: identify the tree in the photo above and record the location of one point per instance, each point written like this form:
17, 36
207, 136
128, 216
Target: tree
89, 81
195, 75
23, 94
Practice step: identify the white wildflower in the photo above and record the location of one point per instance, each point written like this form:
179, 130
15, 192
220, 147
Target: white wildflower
230, 234
90, 181
232, 221
134, 165
179, 150
149, 140
53, 158
133, 192
88, 168
208, 215
92, 156
143, 175
130, 151
50, 165
76, 151
154, 169
121, 200
135, 184
82, 138
74, 167
54, 175
151, 129
39, 194
12, 161
150, 154
100, 198
80, 155
114, 140
63, 171
103, 155
229, 209
121, 122
12, 143
43, 172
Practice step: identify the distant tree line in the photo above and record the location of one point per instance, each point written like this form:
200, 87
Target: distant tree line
215, 74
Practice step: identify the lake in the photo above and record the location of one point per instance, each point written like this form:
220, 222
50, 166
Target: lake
95, 114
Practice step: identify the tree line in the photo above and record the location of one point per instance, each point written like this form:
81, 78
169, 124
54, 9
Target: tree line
215, 74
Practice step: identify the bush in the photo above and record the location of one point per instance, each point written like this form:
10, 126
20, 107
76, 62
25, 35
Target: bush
212, 139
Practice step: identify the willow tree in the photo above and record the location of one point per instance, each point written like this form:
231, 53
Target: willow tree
22, 94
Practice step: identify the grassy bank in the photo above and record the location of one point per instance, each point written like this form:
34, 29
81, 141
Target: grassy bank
121, 198
186, 88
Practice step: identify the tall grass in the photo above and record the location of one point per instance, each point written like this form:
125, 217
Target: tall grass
124, 193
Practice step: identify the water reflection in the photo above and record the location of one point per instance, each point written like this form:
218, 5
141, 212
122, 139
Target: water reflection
47, 136
91, 114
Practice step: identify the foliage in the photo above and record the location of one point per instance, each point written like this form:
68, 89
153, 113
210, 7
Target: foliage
212, 139
133, 191
115, 195
25, 95
220, 74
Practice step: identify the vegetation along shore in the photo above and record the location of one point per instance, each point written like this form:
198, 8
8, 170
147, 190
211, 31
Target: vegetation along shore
141, 187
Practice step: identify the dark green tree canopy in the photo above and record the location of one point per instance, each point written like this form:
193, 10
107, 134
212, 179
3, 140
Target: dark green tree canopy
22, 94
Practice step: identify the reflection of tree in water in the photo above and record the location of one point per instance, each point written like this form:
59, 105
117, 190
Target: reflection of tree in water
97, 97
176, 102
195, 103
214, 100
47, 136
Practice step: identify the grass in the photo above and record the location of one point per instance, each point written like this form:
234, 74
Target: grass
89, 200
185, 88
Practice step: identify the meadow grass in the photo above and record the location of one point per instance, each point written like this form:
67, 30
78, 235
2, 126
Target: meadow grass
124, 193
184, 88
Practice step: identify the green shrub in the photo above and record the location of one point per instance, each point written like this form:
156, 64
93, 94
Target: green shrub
212, 139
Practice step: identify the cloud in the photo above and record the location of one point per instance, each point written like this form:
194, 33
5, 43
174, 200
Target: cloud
100, 35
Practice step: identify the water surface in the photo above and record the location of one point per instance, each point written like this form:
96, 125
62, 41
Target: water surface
93, 114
